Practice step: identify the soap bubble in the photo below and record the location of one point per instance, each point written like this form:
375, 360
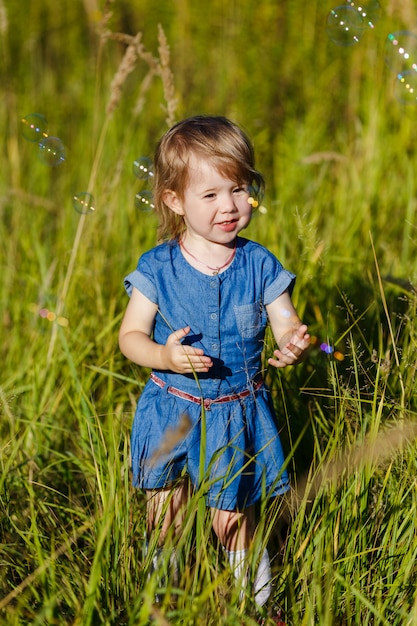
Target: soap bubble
401, 52
326, 348
34, 127
142, 168
370, 11
406, 87
144, 200
51, 151
83, 202
46, 314
345, 25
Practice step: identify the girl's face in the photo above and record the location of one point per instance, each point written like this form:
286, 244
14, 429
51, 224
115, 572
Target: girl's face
214, 208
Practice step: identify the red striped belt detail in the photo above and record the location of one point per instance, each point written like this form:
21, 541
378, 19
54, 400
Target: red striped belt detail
206, 402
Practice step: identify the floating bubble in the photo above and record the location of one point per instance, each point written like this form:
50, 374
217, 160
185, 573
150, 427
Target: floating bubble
51, 151
370, 11
406, 87
345, 25
142, 168
401, 52
83, 202
49, 315
144, 200
326, 348
34, 127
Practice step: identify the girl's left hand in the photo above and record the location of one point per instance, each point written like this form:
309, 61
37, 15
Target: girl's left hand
294, 351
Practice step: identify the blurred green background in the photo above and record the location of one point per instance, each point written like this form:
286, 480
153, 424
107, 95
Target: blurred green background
337, 147
268, 65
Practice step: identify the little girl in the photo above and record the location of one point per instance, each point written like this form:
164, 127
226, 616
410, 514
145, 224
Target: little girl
199, 305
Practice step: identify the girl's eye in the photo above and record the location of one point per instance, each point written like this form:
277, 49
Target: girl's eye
239, 190
209, 196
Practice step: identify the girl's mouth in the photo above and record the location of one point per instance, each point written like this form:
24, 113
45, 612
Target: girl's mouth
227, 226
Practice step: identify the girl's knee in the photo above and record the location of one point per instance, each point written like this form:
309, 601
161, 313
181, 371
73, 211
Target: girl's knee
234, 529
165, 509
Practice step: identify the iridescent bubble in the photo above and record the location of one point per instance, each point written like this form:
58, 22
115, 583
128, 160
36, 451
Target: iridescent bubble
369, 10
345, 25
326, 348
83, 202
144, 200
52, 317
401, 52
406, 87
52, 151
254, 196
142, 168
34, 127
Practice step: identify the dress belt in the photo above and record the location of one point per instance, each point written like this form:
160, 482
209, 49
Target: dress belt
206, 402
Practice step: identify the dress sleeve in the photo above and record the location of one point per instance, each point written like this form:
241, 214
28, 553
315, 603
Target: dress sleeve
277, 279
142, 278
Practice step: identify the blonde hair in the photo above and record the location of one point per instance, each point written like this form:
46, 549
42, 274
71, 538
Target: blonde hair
215, 138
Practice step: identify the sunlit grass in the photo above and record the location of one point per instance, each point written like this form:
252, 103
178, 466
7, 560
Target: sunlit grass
335, 146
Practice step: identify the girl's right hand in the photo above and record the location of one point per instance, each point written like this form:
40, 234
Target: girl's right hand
183, 359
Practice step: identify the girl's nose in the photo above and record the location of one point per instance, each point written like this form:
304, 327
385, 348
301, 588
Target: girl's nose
228, 203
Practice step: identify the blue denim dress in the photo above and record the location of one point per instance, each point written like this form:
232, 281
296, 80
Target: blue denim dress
226, 313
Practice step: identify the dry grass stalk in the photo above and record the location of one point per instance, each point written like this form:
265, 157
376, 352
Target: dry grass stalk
405, 10
374, 450
144, 87
167, 77
136, 49
129, 40
126, 66
319, 157
172, 437
4, 23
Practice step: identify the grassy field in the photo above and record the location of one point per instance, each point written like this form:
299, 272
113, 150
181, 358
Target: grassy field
337, 147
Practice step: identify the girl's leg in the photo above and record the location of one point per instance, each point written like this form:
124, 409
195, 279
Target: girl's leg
165, 509
165, 512
235, 530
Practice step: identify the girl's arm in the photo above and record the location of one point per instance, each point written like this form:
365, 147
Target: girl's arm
289, 332
136, 344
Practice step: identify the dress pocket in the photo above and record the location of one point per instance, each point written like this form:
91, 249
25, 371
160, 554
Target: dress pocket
249, 319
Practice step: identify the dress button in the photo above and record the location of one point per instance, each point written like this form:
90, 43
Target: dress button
213, 284
213, 316
214, 346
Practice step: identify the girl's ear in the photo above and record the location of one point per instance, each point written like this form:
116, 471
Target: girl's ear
172, 201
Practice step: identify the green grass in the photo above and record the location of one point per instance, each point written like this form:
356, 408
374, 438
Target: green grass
337, 151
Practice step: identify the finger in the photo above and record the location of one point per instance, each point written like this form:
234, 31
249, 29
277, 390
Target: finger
196, 367
278, 363
178, 334
293, 349
191, 352
286, 356
302, 334
199, 362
